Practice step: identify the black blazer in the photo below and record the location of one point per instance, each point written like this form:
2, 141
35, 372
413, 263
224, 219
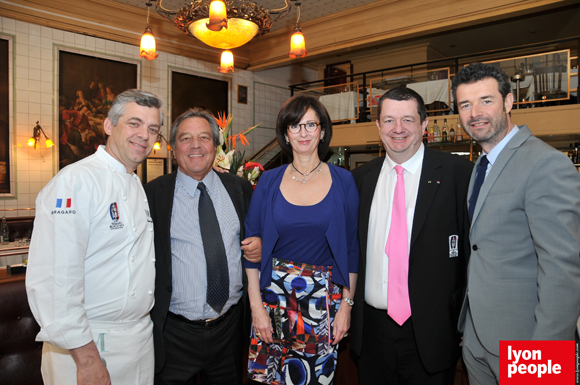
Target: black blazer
160, 196
436, 281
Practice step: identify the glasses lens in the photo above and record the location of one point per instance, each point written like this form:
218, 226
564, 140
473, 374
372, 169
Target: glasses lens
294, 129
311, 126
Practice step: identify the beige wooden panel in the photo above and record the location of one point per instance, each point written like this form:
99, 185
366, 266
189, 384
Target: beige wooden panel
361, 27
556, 120
115, 21
387, 21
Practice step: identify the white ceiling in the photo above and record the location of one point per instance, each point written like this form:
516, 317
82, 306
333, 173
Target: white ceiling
309, 9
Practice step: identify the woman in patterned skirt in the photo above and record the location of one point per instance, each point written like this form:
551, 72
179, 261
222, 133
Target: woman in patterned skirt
301, 292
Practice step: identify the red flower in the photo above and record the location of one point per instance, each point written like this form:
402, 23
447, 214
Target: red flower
251, 165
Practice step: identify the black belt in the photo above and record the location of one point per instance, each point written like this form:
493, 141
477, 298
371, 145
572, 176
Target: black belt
207, 322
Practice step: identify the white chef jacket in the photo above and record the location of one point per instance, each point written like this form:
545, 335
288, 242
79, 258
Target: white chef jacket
91, 256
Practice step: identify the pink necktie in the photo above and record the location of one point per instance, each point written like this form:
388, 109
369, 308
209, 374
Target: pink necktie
398, 304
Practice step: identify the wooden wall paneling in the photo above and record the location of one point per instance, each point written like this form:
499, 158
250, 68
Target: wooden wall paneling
115, 21
544, 121
387, 21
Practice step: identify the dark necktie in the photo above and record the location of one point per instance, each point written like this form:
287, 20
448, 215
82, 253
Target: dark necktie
218, 281
481, 170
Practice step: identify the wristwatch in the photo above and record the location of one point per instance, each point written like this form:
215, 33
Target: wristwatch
348, 300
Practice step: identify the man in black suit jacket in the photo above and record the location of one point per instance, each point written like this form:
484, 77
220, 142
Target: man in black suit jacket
191, 336
422, 348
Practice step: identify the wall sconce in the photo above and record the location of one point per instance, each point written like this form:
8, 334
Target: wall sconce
37, 130
148, 41
157, 145
297, 45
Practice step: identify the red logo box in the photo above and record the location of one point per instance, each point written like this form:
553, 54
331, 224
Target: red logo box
537, 362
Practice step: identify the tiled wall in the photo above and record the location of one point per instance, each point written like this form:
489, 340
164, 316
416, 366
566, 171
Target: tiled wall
34, 83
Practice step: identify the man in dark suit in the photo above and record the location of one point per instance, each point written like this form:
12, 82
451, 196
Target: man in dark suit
198, 217
523, 280
409, 293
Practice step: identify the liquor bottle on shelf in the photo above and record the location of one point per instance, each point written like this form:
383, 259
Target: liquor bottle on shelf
431, 134
4, 232
576, 159
452, 134
459, 133
444, 132
437, 132
426, 136
570, 153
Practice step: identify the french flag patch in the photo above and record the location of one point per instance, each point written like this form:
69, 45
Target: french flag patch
67, 203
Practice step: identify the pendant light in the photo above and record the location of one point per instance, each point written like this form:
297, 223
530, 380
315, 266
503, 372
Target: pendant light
227, 62
148, 41
297, 45
218, 16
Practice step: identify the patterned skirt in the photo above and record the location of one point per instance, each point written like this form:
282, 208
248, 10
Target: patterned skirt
302, 302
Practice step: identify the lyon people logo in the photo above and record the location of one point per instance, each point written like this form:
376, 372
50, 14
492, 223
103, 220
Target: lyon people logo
537, 362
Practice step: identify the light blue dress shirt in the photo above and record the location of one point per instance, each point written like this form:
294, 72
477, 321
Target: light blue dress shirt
189, 276
494, 153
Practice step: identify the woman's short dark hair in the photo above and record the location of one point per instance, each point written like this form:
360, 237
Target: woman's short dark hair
292, 111
480, 71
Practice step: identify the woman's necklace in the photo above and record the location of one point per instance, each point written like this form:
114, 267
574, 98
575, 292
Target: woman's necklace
304, 175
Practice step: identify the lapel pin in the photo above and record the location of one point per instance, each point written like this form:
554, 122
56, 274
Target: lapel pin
438, 182
428, 181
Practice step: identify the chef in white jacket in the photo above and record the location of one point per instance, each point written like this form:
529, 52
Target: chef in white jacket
91, 267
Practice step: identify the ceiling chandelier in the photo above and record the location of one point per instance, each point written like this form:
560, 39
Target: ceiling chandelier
223, 24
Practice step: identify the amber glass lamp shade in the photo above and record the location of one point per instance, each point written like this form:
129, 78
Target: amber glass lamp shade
157, 145
31, 142
238, 33
148, 45
227, 62
218, 16
48, 143
297, 45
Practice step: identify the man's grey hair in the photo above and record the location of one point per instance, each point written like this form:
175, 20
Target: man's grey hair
196, 113
142, 98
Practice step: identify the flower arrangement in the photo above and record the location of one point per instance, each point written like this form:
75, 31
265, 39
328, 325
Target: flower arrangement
230, 159
251, 171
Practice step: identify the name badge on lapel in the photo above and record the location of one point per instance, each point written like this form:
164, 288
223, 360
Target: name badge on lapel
453, 246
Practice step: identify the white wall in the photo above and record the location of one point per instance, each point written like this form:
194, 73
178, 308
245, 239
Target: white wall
34, 89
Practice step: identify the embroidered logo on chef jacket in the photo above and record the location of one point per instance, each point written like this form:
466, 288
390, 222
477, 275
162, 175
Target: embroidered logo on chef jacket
148, 214
63, 206
114, 212
453, 246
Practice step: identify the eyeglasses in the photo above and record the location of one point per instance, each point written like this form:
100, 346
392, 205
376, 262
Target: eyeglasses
308, 126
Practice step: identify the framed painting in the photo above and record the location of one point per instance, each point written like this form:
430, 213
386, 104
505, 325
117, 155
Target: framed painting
5, 74
86, 88
188, 91
242, 94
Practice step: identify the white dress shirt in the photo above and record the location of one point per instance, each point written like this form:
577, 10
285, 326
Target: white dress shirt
377, 266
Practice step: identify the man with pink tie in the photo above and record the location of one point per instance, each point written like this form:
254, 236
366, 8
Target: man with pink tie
413, 233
